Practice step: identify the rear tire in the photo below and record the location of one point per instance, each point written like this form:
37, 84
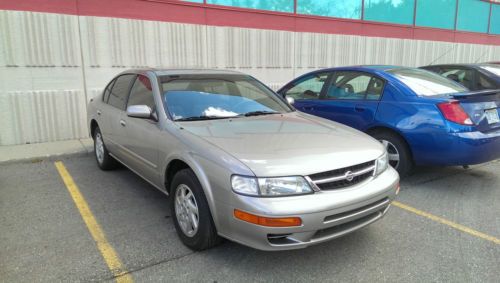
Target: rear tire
191, 213
104, 160
399, 154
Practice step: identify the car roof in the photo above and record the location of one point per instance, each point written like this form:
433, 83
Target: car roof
368, 68
168, 72
470, 65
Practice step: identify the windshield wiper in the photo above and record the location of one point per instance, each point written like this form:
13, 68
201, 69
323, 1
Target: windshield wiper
258, 113
199, 118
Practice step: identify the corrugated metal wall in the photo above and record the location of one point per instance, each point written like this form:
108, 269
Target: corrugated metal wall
51, 64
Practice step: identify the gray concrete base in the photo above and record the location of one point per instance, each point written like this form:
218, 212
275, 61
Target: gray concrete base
39, 151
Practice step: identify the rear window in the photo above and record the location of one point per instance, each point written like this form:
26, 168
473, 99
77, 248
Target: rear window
425, 83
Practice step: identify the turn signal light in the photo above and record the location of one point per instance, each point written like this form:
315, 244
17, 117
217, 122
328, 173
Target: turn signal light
452, 111
267, 221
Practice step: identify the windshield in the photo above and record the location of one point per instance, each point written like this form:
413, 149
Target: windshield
493, 69
197, 97
425, 83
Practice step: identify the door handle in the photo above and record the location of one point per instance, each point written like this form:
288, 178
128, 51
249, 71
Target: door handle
99, 112
123, 123
359, 108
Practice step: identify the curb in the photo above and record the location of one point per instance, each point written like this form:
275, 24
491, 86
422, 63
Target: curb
52, 157
45, 151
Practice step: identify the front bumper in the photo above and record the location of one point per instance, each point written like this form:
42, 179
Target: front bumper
325, 215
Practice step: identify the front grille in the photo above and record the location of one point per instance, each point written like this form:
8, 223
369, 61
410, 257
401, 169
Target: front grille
338, 178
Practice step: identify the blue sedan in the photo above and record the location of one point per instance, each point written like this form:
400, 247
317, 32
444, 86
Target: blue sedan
421, 117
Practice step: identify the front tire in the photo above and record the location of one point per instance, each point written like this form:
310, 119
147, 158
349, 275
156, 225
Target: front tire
104, 160
399, 154
190, 212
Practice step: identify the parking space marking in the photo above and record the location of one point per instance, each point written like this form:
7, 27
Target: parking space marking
114, 263
449, 223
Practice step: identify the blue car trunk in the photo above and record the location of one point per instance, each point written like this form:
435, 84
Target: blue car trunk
483, 108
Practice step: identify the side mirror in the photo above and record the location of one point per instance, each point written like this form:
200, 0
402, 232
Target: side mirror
140, 111
290, 100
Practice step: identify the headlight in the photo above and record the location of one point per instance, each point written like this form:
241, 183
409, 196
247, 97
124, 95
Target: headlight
381, 164
265, 187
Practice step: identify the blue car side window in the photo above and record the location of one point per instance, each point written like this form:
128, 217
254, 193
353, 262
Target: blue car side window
308, 87
355, 86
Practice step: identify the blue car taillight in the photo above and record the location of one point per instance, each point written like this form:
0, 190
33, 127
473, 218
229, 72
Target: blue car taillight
453, 111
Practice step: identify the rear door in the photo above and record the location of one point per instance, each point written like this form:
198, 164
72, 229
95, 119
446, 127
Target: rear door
307, 91
112, 113
142, 135
351, 98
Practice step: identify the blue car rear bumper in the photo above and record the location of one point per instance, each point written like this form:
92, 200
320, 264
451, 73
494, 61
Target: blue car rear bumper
465, 148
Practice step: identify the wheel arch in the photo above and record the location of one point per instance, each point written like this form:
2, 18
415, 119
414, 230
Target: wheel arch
93, 127
176, 163
379, 128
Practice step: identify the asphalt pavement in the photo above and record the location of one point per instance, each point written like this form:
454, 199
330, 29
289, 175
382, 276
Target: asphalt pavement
44, 238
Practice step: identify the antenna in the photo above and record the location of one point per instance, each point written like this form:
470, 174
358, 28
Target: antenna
444, 53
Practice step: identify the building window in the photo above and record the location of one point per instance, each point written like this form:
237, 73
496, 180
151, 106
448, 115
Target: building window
390, 11
350, 9
473, 15
436, 13
495, 19
270, 5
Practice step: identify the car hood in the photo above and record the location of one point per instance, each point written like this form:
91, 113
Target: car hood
288, 144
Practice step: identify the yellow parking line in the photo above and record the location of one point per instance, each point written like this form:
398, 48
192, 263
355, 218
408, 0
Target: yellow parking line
108, 253
447, 222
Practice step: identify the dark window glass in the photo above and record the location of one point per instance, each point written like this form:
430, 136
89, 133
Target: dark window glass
107, 91
271, 5
354, 85
436, 13
350, 9
119, 92
463, 76
142, 93
308, 87
473, 15
484, 82
390, 11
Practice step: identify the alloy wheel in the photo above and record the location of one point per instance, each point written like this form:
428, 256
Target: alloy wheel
392, 152
186, 210
99, 148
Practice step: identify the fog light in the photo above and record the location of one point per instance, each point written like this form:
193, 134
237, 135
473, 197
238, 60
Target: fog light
267, 221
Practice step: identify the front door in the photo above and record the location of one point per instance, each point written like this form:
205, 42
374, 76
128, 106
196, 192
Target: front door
307, 91
352, 99
142, 135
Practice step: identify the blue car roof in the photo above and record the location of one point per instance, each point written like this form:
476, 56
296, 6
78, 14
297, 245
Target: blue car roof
366, 68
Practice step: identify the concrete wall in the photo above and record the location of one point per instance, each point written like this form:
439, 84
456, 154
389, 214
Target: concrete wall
52, 64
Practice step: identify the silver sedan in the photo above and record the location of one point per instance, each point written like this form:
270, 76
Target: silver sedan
238, 161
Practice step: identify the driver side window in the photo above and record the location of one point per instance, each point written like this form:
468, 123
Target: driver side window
308, 88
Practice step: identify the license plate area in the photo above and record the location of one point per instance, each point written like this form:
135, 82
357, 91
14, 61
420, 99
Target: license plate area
492, 116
